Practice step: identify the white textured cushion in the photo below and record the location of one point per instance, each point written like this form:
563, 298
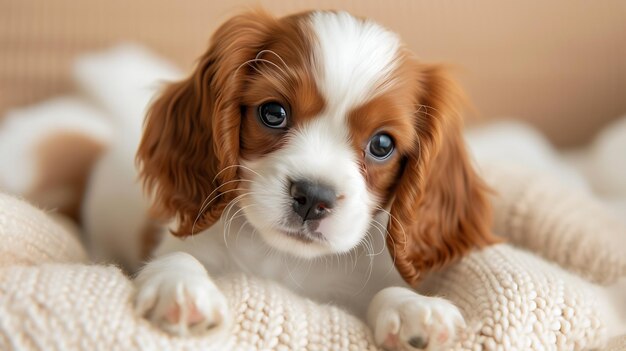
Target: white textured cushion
508, 297
564, 224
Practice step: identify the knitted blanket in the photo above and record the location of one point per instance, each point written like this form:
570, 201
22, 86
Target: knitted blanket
51, 298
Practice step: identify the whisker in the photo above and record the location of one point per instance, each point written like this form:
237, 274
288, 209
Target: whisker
241, 166
269, 78
205, 205
228, 224
230, 205
203, 208
274, 53
246, 223
391, 216
426, 111
292, 277
353, 260
271, 63
393, 258
241, 65
217, 189
370, 265
383, 236
234, 201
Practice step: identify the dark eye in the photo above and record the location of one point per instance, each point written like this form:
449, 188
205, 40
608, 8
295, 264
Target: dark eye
273, 115
380, 146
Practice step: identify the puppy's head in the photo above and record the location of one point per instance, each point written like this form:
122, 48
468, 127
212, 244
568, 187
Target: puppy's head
311, 125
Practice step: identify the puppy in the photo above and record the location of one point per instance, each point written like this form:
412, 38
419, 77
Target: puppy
301, 149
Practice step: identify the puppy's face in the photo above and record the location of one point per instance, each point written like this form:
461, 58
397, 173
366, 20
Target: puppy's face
311, 124
325, 122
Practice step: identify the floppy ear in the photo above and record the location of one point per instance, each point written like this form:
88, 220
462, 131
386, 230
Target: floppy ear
440, 210
190, 144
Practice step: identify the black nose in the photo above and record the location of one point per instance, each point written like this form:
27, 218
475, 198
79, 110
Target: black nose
312, 200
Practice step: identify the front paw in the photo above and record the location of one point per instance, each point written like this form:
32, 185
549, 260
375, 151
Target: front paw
408, 321
176, 294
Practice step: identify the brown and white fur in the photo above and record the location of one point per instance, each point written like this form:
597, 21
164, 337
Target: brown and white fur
226, 179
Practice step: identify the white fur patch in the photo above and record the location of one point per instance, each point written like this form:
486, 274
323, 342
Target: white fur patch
353, 58
317, 152
123, 80
23, 131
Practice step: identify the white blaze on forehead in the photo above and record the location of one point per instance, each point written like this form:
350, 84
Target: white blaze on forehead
352, 58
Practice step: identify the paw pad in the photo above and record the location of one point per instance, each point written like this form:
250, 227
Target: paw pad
418, 342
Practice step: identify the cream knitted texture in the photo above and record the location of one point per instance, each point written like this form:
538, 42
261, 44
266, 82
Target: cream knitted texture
509, 298
564, 225
513, 300
28, 236
75, 306
82, 307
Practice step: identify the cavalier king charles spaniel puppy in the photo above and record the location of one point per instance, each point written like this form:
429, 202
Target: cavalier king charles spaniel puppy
314, 150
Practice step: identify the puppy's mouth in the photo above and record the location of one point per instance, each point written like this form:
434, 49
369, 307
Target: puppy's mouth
305, 232
304, 235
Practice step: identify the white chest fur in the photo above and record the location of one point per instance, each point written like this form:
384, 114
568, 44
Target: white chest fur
349, 280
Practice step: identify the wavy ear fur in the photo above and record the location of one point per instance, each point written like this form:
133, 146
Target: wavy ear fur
440, 210
191, 132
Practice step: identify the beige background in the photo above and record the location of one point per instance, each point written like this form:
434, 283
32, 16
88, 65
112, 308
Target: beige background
560, 64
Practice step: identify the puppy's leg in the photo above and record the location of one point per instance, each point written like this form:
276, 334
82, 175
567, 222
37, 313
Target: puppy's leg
404, 320
175, 293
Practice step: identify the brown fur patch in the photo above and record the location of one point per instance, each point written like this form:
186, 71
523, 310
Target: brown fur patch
283, 74
440, 209
64, 161
391, 112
